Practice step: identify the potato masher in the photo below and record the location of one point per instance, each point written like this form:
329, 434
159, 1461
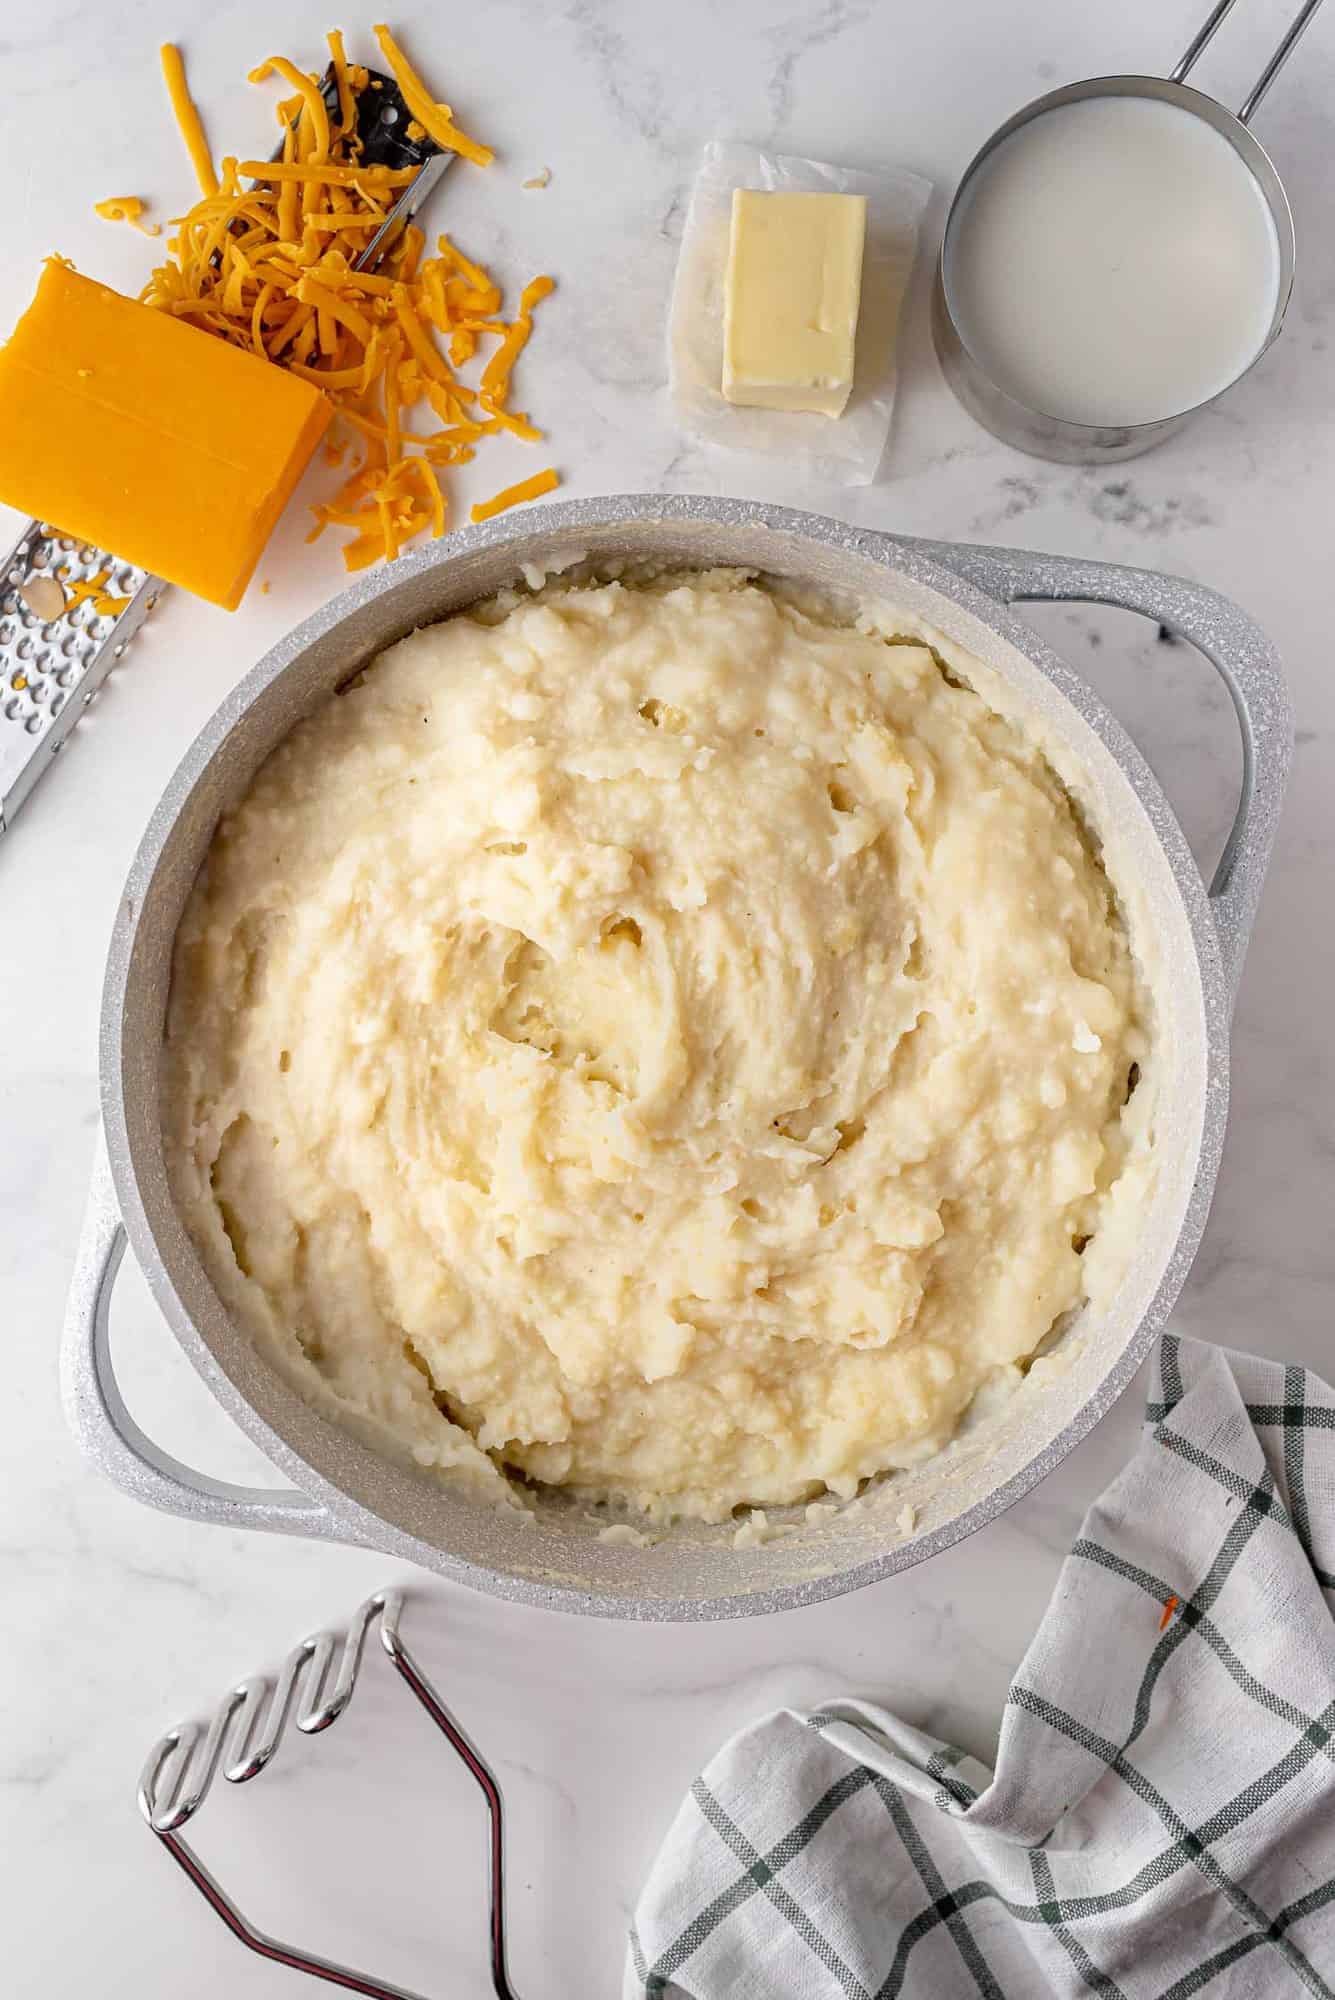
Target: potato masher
245, 1731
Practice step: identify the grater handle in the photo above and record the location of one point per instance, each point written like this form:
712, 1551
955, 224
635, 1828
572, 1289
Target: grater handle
1240, 654
109, 1435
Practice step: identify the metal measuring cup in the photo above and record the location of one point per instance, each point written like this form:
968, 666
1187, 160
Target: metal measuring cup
1057, 437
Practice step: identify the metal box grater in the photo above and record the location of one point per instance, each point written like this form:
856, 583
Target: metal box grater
51, 667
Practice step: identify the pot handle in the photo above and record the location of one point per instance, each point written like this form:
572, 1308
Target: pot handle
103, 1426
1236, 648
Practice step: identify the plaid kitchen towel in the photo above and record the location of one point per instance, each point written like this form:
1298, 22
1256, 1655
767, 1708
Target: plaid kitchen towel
1161, 1819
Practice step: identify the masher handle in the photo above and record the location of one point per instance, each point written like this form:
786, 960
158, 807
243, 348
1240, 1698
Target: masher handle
241, 1740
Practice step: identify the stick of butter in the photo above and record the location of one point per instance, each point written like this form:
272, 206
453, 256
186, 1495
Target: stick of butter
790, 314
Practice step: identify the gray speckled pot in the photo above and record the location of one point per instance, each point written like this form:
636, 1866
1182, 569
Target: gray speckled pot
341, 1489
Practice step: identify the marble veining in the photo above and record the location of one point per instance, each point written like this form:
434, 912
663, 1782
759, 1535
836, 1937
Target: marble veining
367, 1842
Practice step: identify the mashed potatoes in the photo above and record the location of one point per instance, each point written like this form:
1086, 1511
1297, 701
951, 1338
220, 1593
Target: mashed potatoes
660, 1041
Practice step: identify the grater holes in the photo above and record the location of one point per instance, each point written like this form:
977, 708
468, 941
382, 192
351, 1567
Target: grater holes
10, 602
42, 554
33, 724
57, 702
13, 708
24, 648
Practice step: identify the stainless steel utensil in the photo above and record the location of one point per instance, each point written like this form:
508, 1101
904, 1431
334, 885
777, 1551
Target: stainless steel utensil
52, 667
1058, 438
241, 1738
345, 1491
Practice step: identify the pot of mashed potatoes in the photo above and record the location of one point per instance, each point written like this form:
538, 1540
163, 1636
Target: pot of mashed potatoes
664, 1040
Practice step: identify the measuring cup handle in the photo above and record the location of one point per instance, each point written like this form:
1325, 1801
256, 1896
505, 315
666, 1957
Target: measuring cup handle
1241, 655
103, 1426
1205, 34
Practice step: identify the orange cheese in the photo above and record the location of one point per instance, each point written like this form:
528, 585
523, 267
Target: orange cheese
437, 119
515, 496
130, 429
272, 268
188, 118
127, 208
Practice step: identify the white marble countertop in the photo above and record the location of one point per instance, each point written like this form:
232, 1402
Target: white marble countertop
119, 1620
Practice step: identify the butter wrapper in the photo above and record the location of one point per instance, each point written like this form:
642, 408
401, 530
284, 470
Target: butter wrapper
842, 451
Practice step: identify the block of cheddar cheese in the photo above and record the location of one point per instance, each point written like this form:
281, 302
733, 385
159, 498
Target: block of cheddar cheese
126, 428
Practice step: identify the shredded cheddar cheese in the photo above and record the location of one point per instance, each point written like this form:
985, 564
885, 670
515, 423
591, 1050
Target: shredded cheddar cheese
435, 119
188, 118
265, 260
79, 590
126, 208
515, 496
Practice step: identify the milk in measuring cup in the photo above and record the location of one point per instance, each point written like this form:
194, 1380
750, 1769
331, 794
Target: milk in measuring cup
1113, 262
